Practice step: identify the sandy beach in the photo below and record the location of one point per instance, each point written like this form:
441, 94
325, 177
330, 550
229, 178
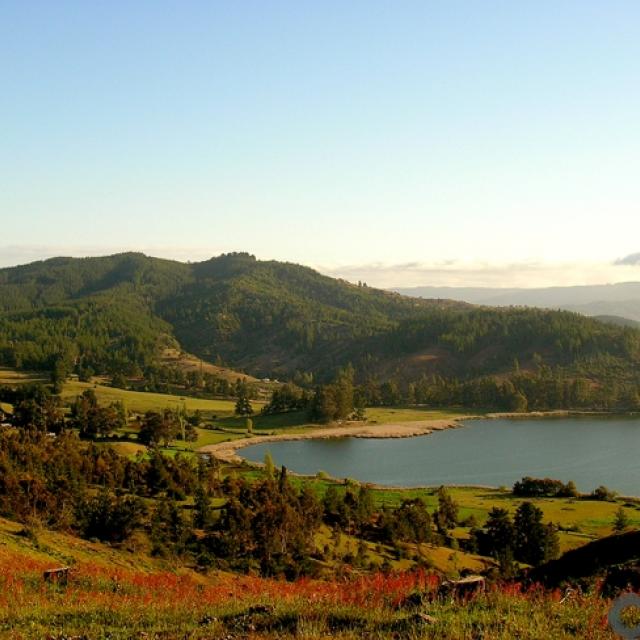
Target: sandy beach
228, 451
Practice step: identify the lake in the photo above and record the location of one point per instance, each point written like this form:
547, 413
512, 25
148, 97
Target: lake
591, 451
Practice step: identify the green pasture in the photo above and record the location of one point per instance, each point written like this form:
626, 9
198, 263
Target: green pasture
140, 401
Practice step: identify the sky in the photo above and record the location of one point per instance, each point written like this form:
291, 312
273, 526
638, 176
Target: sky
402, 143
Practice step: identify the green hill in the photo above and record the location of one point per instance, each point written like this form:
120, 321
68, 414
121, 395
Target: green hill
274, 319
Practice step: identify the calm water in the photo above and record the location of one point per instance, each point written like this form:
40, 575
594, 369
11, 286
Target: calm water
589, 451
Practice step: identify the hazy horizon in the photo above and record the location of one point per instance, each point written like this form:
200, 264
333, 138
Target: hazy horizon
452, 274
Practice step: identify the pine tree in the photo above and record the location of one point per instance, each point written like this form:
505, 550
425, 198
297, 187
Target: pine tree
621, 521
499, 534
201, 508
243, 406
535, 542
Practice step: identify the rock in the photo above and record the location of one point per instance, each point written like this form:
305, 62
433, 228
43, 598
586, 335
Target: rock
425, 618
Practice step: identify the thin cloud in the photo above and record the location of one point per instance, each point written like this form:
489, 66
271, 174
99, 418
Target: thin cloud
630, 260
482, 274
412, 273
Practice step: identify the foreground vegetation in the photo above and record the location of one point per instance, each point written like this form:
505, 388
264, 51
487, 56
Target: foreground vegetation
118, 594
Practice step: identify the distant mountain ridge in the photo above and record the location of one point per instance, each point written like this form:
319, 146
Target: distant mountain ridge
621, 299
276, 319
617, 320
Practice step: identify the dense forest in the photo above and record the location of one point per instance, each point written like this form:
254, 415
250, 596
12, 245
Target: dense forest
113, 315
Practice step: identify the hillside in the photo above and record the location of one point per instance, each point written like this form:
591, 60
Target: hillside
119, 593
121, 313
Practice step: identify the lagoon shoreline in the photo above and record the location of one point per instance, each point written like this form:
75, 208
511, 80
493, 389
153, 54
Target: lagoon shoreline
228, 451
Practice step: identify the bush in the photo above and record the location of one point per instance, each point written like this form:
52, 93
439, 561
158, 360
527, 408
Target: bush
544, 488
603, 493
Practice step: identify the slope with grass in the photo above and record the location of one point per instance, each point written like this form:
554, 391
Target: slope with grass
121, 593
140, 402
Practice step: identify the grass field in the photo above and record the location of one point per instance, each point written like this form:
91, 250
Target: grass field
580, 520
442, 559
388, 415
299, 420
139, 402
13, 376
295, 420
136, 401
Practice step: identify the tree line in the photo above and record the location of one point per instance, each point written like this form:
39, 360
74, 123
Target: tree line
544, 389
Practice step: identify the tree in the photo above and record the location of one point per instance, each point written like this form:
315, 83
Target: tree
243, 406
38, 410
288, 397
112, 518
323, 406
518, 402
195, 419
59, 373
92, 420
269, 466
499, 535
390, 394
570, 490
621, 520
410, 521
151, 428
157, 427
506, 563
157, 475
447, 513
169, 531
331, 504
201, 508
264, 526
118, 380
535, 542
343, 392
602, 493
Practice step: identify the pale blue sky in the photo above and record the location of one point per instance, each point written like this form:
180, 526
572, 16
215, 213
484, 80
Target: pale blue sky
476, 137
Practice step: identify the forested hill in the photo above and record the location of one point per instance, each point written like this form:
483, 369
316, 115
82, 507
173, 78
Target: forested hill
274, 319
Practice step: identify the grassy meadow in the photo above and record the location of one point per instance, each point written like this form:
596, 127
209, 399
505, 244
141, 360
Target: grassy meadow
391, 415
139, 401
580, 520
14, 376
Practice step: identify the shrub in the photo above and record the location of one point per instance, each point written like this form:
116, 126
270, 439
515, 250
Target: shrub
603, 493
